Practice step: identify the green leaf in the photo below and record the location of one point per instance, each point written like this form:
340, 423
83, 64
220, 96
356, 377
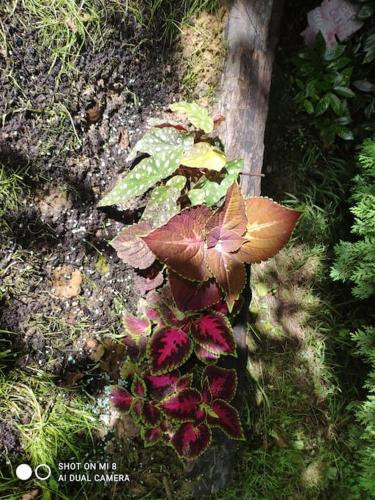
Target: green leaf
178, 182
322, 106
145, 175
162, 205
345, 133
196, 114
344, 92
209, 192
366, 12
203, 155
159, 140
335, 104
308, 106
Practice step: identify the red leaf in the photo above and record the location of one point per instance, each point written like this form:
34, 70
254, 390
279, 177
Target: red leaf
191, 441
227, 419
182, 406
161, 385
180, 243
136, 327
206, 356
222, 382
225, 230
137, 408
269, 226
151, 436
184, 382
131, 248
121, 399
190, 296
145, 284
213, 332
232, 215
138, 387
151, 414
169, 349
206, 392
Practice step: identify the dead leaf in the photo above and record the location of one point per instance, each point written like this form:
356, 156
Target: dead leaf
124, 138
30, 495
71, 378
66, 282
94, 113
114, 353
96, 349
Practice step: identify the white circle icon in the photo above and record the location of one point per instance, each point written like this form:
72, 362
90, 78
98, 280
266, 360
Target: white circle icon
24, 472
45, 472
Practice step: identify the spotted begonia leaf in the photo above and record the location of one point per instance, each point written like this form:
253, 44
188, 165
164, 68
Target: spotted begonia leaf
196, 114
131, 249
143, 176
161, 206
182, 406
211, 192
178, 182
151, 436
227, 419
169, 348
162, 140
192, 296
180, 243
203, 155
205, 356
191, 441
269, 226
222, 382
121, 399
213, 332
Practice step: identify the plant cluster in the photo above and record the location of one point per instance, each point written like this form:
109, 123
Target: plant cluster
202, 244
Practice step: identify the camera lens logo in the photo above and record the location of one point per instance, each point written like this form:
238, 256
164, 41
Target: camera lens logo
42, 472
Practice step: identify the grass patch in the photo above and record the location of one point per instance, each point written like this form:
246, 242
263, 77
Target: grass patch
11, 188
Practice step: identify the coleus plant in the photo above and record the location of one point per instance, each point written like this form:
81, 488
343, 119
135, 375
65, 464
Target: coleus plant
193, 248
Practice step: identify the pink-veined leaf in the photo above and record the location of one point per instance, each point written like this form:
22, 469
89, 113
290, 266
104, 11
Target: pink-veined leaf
227, 419
269, 226
121, 399
180, 243
222, 382
161, 385
191, 441
150, 414
232, 215
182, 406
205, 356
138, 387
200, 416
191, 296
213, 332
169, 348
130, 247
136, 327
151, 436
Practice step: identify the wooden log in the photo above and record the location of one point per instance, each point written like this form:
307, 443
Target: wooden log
252, 34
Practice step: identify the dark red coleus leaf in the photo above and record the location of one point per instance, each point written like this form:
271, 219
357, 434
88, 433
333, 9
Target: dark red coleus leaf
144, 284
222, 382
137, 408
227, 419
138, 387
213, 332
181, 243
183, 406
205, 356
131, 248
206, 392
151, 436
192, 296
169, 348
135, 348
150, 414
121, 399
191, 441
184, 382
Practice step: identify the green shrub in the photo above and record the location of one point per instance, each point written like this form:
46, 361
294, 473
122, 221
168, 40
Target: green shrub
355, 261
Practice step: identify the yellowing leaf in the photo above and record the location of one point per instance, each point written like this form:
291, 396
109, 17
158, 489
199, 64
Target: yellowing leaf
203, 155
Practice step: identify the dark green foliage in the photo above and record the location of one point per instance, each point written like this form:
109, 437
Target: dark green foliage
355, 261
323, 77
